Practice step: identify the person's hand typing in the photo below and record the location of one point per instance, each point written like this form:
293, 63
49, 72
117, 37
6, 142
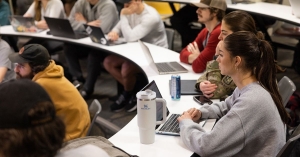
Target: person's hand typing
113, 36
95, 23
207, 88
193, 114
79, 17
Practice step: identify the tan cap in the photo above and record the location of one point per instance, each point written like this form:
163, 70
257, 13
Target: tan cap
219, 4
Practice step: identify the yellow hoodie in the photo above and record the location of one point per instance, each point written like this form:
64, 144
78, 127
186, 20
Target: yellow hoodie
68, 102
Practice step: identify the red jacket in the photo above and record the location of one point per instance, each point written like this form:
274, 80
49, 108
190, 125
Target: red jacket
206, 53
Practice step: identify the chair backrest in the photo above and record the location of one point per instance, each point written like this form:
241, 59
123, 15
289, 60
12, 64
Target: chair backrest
170, 37
286, 89
289, 146
94, 110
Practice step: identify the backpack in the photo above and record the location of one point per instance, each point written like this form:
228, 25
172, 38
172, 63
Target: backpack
293, 108
99, 141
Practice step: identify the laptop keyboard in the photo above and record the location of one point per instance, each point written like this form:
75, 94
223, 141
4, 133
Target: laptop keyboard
164, 67
171, 125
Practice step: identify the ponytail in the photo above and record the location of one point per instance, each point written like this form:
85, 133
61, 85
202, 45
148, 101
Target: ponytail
265, 72
258, 58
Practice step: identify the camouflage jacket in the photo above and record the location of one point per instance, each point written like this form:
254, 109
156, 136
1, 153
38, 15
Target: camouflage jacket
213, 75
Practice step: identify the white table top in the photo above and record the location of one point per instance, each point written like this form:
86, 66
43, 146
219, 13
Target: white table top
277, 11
128, 137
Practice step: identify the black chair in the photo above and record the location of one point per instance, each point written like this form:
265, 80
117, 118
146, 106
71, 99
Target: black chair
292, 146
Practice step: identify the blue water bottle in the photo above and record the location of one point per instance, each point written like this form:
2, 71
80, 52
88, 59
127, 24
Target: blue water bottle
175, 87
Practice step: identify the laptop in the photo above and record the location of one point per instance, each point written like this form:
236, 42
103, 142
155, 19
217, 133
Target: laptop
187, 87
97, 36
23, 24
163, 67
171, 126
62, 28
295, 4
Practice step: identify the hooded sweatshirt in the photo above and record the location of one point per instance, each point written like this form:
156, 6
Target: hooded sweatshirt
69, 104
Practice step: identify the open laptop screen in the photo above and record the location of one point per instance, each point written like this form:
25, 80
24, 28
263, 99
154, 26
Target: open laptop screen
159, 107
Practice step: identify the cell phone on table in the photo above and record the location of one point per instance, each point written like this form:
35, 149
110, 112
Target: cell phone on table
201, 99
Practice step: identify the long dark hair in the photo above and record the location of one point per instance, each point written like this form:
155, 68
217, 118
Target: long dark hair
38, 10
42, 140
259, 59
241, 21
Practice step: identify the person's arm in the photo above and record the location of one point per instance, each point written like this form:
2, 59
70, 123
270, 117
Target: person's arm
184, 54
3, 71
108, 17
207, 54
5, 63
30, 12
226, 138
76, 25
139, 31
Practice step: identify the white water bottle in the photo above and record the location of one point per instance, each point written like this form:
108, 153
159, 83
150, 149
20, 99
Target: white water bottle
146, 115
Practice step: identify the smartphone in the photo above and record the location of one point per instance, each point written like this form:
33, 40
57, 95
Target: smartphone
201, 99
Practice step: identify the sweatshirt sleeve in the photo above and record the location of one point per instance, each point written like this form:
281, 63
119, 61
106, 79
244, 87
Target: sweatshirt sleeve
56, 10
226, 138
76, 25
108, 17
184, 54
207, 53
139, 31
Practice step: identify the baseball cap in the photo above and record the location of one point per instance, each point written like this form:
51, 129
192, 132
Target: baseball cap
32, 53
17, 97
219, 4
123, 1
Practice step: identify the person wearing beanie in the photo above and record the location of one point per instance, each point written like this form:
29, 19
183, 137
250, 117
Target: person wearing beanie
33, 62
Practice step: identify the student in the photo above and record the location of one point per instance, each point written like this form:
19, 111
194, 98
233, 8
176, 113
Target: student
29, 125
49, 8
212, 83
6, 67
251, 120
138, 21
98, 13
202, 50
33, 62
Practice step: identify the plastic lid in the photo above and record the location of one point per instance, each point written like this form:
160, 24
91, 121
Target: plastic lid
147, 94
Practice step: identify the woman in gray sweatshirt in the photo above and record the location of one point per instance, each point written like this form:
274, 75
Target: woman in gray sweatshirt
251, 120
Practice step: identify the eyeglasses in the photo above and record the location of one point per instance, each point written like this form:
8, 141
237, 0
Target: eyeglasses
19, 66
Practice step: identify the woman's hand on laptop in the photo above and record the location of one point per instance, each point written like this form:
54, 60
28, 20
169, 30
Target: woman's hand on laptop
193, 114
95, 23
113, 36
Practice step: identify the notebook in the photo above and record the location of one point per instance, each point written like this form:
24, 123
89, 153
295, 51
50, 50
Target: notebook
163, 67
62, 28
171, 126
23, 24
187, 87
97, 36
295, 4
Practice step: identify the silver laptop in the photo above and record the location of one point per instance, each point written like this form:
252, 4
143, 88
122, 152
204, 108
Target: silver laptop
171, 126
23, 24
163, 67
295, 4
